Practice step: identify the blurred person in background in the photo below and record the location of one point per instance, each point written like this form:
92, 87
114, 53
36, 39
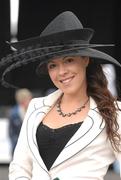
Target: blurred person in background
16, 116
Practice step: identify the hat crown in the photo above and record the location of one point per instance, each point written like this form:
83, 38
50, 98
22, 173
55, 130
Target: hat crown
63, 22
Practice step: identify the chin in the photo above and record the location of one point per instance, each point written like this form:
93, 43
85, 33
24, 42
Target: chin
69, 91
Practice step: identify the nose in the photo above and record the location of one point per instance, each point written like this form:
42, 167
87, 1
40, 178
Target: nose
62, 69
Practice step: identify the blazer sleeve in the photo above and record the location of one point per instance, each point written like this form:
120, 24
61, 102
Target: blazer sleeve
21, 165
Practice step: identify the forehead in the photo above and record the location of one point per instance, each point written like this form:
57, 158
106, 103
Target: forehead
62, 58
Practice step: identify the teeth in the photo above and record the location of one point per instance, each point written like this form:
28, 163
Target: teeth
66, 80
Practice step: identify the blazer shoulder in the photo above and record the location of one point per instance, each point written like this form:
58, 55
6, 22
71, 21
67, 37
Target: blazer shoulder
37, 101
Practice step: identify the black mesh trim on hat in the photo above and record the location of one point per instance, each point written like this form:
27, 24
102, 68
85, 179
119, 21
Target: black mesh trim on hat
37, 51
42, 55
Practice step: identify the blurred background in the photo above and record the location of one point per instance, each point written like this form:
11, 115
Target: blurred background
22, 19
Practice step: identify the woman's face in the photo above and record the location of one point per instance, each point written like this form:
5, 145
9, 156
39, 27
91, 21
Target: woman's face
69, 73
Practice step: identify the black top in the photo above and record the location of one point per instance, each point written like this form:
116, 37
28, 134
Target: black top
52, 141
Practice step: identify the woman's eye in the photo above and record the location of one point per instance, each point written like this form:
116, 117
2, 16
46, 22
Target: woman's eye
51, 66
69, 60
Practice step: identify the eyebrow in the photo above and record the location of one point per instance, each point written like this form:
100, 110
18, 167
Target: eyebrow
52, 60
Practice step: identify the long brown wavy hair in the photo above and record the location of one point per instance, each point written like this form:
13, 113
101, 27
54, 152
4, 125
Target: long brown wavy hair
106, 103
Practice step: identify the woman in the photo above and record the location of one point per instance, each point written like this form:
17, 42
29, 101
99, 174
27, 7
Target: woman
73, 133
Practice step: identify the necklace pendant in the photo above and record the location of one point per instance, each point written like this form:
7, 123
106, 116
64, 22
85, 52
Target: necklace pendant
60, 113
58, 110
64, 115
83, 106
69, 114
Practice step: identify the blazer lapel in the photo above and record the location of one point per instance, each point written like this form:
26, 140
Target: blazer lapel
92, 126
41, 108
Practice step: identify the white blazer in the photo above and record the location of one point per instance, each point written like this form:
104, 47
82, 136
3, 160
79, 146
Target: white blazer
86, 156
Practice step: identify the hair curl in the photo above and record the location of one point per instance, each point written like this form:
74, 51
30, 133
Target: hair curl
98, 90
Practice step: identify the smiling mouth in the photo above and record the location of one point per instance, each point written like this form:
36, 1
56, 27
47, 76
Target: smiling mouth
66, 80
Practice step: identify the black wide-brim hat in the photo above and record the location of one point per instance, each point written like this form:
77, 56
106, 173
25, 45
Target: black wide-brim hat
64, 36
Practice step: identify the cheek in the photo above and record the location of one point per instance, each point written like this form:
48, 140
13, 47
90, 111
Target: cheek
82, 73
52, 75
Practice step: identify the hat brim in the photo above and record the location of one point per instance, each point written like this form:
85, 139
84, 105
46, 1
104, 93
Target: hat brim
22, 67
99, 57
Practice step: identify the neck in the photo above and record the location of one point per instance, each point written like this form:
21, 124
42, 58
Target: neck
78, 95
74, 98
